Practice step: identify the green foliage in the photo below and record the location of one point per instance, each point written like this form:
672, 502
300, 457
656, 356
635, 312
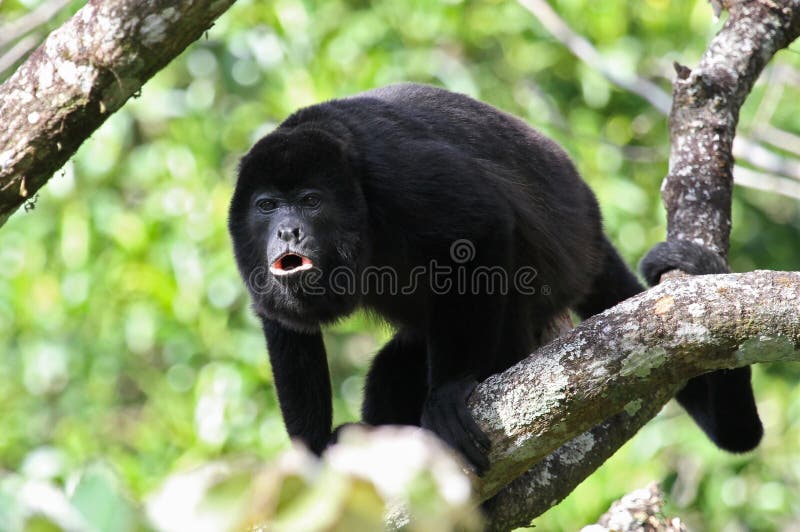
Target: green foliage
124, 329
346, 490
95, 502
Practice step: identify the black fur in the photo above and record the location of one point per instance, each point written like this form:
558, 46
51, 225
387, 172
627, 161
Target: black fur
721, 402
396, 177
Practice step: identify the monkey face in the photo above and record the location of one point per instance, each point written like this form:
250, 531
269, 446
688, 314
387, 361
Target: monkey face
297, 219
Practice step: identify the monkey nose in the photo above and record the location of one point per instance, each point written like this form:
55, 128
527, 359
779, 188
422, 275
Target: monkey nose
289, 234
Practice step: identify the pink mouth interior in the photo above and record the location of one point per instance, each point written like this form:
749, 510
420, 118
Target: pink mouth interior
289, 263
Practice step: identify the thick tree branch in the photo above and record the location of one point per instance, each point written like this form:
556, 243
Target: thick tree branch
555, 476
627, 359
83, 72
621, 366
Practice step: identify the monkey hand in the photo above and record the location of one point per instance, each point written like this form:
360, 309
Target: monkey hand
446, 414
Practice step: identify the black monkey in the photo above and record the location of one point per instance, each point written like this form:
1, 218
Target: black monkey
720, 402
441, 192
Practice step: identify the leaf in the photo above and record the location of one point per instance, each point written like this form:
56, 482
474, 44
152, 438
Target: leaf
99, 499
40, 523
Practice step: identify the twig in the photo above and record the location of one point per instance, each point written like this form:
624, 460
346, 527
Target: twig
26, 23
744, 149
777, 137
767, 182
17, 52
768, 160
772, 96
555, 119
761, 128
587, 53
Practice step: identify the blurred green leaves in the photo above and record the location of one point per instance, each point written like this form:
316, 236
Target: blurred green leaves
422, 490
93, 502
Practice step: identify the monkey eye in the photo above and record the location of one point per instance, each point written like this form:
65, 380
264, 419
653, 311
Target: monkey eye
311, 200
266, 205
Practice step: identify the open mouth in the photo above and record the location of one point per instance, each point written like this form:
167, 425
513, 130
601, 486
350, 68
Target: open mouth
290, 263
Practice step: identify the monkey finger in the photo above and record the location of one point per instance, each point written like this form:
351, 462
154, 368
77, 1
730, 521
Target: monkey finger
471, 426
476, 456
434, 420
468, 420
463, 440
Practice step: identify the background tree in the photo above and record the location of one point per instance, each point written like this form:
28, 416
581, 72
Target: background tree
128, 338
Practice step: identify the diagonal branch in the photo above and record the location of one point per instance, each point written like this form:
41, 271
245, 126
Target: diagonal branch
83, 72
583, 50
17, 52
767, 182
561, 412
745, 149
535, 491
625, 362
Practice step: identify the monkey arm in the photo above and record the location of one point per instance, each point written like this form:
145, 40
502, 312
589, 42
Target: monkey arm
465, 337
300, 372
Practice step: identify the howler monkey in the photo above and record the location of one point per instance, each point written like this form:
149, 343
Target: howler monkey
455, 222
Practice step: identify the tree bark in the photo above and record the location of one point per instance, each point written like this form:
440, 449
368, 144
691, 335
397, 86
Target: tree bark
554, 477
705, 111
637, 511
83, 72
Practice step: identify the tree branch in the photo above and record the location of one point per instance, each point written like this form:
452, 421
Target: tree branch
555, 476
767, 182
583, 50
706, 102
83, 72
17, 52
621, 366
615, 361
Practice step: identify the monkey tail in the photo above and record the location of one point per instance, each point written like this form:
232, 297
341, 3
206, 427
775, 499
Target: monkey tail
720, 402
